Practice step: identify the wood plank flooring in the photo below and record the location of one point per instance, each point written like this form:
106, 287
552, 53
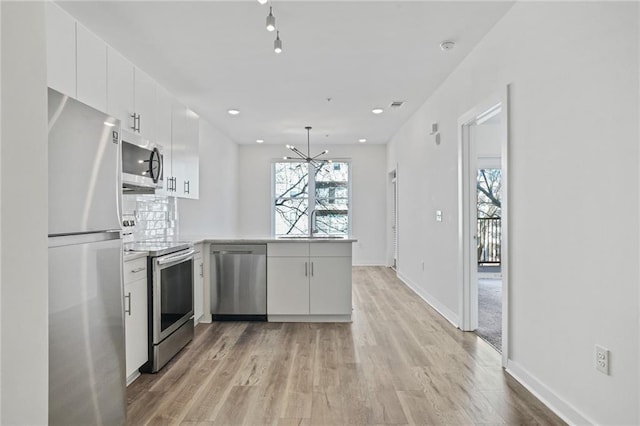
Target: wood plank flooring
399, 362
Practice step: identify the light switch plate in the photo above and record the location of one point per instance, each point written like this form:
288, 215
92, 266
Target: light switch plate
438, 215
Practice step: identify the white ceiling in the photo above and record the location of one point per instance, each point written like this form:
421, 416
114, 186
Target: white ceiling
216, 55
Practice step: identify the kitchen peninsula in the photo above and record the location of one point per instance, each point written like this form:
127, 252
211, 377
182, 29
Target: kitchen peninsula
308, 279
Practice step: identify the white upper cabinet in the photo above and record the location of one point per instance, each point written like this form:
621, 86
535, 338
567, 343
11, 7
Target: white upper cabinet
61, 50
164, 105
144, 103
91, 57
184, 151
190, 185
131, 96
120, 89
81, 65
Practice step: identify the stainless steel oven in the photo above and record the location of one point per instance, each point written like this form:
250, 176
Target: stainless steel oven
170, 302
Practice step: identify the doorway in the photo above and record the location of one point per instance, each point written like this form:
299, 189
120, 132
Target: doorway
393, 214
483, 222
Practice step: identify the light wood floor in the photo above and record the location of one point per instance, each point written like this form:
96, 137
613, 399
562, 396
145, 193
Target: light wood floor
399, 362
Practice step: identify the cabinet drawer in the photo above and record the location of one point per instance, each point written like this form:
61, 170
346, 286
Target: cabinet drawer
288, 249
135, 270
330, 249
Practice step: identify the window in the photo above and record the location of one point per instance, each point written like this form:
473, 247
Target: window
298, 213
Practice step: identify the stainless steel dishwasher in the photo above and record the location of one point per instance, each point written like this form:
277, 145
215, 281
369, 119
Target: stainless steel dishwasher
239, 282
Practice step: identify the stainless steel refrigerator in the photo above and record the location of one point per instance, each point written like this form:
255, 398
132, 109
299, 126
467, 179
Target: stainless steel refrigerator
86, 321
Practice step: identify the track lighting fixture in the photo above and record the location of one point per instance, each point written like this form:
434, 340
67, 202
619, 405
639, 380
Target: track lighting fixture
277, 43
271, 20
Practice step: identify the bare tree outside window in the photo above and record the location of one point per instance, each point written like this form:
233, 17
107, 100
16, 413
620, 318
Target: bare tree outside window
489, 187
293, 204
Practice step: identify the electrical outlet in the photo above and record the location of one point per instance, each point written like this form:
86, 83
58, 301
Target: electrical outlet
602, 359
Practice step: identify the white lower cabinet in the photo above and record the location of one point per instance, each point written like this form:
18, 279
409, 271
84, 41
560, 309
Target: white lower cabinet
309, 281
287, 286
135, 315
330, 286
198, 284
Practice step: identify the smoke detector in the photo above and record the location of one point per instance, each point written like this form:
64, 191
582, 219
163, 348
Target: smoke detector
447, 45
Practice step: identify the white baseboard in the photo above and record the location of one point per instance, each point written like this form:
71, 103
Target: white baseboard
367, 263
309, 318
447, 313
562, 408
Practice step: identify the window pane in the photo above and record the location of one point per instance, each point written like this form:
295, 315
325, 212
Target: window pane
291, 217
291, 180
332, 181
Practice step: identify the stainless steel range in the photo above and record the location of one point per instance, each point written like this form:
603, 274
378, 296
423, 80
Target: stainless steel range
170, 292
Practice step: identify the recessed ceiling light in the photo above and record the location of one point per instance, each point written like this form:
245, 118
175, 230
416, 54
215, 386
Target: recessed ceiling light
233, 111
377, 110
262, 1
259, 140
363, 140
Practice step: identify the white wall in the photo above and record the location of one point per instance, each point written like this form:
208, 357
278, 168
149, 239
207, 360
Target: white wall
215, 213
574, 193
24, 320
368, 185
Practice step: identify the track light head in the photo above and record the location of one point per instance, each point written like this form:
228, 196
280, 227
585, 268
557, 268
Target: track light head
277, 44
271, 20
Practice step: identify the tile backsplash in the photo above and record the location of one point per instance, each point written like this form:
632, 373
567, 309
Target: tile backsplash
155, 216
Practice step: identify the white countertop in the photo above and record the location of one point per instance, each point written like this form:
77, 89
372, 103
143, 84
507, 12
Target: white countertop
132, 255
196, 239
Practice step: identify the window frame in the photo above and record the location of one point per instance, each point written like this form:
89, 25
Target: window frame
312, 190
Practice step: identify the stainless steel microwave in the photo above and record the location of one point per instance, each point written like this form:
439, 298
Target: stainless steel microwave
142, 164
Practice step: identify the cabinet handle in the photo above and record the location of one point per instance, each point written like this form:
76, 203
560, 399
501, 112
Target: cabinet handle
138, 123
202, 269
187, 186
140, 269
311, 268
306, 273
175, 184
128, 310
134, 116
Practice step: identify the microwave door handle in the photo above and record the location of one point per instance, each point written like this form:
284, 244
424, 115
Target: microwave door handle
169, 259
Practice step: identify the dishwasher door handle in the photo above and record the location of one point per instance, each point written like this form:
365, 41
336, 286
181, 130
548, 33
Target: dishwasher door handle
231, 252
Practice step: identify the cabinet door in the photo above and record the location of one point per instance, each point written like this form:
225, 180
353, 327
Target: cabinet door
190, 159
287, 285
179, 135
136, 336
61, 50
198, 287
330, 288
163, 134
120, 88
91, 69
145, 104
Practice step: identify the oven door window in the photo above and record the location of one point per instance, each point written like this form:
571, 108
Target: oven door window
176, 291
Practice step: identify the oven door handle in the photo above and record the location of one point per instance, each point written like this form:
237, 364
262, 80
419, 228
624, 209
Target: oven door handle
175, 258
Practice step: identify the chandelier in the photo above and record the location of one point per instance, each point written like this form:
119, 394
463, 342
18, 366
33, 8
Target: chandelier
307, 157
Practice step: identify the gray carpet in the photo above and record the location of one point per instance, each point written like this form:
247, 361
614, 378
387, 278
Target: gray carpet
490, 311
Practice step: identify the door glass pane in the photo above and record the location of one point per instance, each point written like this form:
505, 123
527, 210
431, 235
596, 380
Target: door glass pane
489, 183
